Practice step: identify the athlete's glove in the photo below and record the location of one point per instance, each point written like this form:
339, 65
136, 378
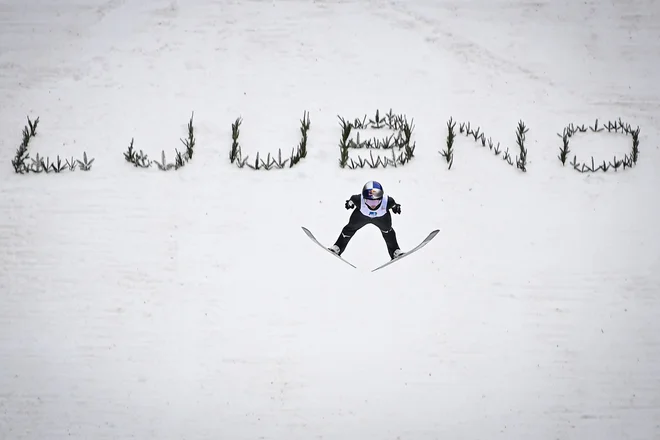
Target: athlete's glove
349, 204
396, 209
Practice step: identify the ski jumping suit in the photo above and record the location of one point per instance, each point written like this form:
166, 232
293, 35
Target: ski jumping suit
362, 216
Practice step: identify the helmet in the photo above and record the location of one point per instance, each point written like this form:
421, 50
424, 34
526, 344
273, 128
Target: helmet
372, 192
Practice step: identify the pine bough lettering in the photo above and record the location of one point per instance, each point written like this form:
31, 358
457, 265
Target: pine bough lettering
140, 159
297, 153
24, 164
398, 147
628, 161
478, 136
399, 143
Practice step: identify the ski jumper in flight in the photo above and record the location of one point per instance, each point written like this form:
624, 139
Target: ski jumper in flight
370, 207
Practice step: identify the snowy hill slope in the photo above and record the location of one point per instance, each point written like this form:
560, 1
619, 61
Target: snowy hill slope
189, 304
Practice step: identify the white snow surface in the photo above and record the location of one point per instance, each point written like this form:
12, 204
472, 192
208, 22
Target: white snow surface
190, 305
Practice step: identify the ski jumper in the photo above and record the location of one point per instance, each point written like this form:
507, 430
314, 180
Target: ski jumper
362, 215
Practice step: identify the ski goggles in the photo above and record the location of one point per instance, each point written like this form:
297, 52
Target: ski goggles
373, 204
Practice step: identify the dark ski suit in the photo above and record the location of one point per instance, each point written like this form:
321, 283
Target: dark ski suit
358, 220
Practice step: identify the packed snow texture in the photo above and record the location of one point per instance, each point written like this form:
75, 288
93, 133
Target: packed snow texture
189, 304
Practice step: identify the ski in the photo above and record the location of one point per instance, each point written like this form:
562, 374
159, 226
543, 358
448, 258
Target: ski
311, 236
416, 248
